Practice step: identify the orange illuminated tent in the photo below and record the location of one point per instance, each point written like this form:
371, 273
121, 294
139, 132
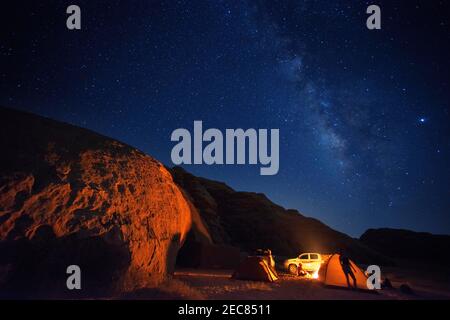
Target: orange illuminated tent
342, 272
256, 269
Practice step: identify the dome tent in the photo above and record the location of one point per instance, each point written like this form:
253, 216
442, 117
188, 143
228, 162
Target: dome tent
342, 272
256, 269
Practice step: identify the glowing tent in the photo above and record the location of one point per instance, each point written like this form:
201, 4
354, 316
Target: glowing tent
256, 269
342, 272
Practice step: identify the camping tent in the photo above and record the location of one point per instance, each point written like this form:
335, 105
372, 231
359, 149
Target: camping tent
255, 268
338, 275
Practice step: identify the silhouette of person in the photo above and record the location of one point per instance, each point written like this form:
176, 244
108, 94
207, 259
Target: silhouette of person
348, 270
300, 271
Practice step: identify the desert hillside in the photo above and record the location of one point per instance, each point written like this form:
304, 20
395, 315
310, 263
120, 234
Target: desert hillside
409, 245
250, 220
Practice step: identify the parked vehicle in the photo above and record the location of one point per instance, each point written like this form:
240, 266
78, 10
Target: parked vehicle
308, 262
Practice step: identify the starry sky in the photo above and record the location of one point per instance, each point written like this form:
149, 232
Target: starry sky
363, 115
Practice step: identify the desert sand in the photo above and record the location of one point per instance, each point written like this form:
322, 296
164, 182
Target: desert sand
218, 285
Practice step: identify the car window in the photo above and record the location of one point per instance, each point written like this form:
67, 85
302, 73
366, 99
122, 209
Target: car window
304, 256
314, 256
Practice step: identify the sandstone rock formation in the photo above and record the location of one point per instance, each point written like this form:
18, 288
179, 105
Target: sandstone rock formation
71, 196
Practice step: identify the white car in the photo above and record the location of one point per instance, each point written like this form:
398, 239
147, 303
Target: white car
310, 262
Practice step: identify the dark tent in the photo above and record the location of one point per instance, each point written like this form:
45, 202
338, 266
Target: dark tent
256, 269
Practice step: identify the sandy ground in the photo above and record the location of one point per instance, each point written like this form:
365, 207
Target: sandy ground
214, 284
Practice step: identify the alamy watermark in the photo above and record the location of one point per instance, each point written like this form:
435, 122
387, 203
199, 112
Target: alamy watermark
73, 22
73, 281
373, 277
237, 147
374, 20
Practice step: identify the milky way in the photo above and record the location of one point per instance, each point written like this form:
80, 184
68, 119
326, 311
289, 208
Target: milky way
363, 115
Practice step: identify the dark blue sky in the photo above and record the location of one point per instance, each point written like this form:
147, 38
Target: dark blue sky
354, 152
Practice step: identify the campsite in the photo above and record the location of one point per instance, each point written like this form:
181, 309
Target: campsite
222, 284
218, 285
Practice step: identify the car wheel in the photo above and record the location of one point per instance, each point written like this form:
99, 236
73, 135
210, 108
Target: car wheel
293, 269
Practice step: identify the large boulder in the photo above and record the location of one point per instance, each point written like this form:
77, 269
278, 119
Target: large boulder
69, 196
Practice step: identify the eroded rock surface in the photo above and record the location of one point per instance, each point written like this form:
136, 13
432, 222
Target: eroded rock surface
71, 196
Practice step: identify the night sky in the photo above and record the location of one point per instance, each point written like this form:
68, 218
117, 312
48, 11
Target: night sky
363, 115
